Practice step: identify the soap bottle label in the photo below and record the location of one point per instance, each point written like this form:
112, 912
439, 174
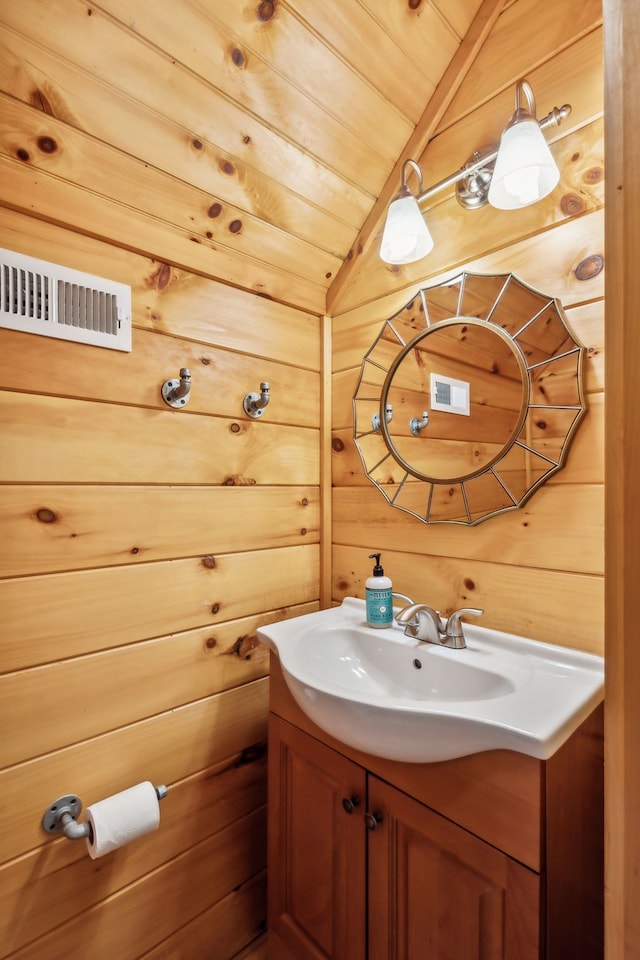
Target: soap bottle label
379, 607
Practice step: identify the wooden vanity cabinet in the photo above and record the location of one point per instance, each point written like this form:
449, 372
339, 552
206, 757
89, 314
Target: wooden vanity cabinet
465, 860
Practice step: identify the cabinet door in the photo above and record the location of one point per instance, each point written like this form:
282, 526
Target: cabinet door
438, 892
317, 841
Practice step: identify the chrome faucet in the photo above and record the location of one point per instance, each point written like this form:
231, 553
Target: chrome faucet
424, 623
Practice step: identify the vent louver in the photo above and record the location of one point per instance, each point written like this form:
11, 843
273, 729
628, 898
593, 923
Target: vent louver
54, 301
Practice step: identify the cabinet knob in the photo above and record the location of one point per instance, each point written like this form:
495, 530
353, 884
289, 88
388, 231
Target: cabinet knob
350, 803
372, 820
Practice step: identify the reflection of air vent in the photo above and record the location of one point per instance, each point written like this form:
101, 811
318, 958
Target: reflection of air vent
40, 297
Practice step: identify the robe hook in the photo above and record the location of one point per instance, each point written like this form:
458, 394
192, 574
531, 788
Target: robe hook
255, 403
177, 392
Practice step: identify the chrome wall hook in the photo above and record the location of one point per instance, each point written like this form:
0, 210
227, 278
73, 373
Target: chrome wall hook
388, 417
416, 424
254, 403
177, 392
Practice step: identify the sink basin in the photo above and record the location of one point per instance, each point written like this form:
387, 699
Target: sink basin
394, 696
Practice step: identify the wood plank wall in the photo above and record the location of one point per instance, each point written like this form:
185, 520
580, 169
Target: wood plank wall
537, 571
142, 548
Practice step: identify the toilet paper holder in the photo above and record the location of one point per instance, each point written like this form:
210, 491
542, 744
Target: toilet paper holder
61, 816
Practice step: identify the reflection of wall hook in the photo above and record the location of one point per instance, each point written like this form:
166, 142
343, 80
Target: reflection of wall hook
176, 392
416, 424
254, 403
388, 417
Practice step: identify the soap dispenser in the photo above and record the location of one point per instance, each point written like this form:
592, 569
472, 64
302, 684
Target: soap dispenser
378, 596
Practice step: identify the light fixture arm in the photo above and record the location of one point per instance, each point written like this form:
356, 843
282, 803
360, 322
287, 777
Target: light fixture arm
405, 175
479, 160
514, 174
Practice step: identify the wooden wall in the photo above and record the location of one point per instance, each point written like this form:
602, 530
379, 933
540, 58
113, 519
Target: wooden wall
537, 571
142, 547
622, 110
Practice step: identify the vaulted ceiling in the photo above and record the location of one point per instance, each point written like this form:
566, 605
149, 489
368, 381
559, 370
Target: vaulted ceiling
269, 132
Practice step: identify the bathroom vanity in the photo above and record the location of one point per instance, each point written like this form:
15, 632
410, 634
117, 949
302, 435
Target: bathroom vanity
497, 855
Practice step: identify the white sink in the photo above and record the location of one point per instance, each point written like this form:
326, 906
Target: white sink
394, 696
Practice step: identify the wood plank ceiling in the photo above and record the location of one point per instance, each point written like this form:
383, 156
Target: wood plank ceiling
270, 132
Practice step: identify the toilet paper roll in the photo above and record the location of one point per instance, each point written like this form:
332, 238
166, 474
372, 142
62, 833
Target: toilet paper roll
121, 818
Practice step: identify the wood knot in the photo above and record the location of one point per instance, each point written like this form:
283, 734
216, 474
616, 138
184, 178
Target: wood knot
235, 428
160, 279
266, 10
227, 167
40, 101
47, 144
468, 584
594, 175
304, 502
210, 643
541, 424
196, 144
214, 210
23, 154
571, 204
45, 515
244, 646
238, 57
209, 562
235, 226
414, 4
337, 444
215, 608
590, 267
250, 754
237, 480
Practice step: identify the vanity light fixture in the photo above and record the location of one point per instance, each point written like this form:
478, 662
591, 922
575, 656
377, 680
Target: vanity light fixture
517, 173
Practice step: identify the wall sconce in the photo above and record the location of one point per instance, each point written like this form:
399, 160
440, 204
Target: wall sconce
519, 172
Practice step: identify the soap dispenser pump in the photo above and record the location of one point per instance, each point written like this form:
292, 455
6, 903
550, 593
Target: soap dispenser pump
378, 592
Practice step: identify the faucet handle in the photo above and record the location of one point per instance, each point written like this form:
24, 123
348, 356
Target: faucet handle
453, 628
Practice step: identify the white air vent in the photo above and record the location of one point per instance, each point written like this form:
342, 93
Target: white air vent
54, 301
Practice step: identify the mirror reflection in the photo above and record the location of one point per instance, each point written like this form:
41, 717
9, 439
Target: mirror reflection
468, 399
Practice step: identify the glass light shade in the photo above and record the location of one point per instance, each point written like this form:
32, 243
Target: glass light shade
406, 236
525, 170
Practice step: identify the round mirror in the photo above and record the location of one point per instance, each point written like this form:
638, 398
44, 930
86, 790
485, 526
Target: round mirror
468, 399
